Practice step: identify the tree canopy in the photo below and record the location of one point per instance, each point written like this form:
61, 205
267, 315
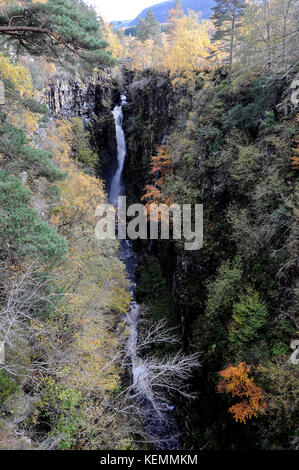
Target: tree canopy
60, 30
227, 16
149, 28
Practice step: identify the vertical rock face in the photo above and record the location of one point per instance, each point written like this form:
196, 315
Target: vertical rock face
93, 101
107, 95
146, 121
69, 98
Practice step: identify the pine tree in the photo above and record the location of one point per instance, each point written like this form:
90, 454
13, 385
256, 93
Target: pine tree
227, 16
17, 154
177, 11
149, 27
178, 5
22, 232
60, 30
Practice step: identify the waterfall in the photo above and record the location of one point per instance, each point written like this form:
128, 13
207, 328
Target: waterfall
163, 429
128, 256
116, 184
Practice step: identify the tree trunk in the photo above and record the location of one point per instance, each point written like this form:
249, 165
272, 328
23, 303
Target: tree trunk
231, 49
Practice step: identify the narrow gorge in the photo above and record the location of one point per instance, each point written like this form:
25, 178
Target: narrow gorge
145, 119
158, 419
115, 333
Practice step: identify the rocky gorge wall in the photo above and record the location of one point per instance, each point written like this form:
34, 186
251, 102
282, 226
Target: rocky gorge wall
93, 101
147, 119
231, 148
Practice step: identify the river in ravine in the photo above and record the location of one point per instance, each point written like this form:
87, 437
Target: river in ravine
161, 428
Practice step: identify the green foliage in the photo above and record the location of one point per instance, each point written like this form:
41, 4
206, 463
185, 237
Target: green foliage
207, 132
37, 107
68, 23
231, 148
18, 155
62, 408
280, 428
223, 291
251, 115
249, 316
88, 157
242, 116
282, 334
158, 298
244, 168
148, 28
254, 234
7, 387
22, 232
269, 120
81, 143
224, 12
227, 16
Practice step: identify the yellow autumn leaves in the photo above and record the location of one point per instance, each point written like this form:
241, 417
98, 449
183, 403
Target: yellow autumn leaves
18, 75
18, 87
185, 48
191, 48
94, 280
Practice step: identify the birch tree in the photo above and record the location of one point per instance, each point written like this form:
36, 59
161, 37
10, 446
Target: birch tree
269, 36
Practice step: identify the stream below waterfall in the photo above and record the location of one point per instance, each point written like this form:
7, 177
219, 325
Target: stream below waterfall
161, 429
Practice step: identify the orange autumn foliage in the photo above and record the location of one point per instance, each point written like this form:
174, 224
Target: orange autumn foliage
161, 167
236, 381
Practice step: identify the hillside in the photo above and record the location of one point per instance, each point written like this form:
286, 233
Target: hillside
161, 9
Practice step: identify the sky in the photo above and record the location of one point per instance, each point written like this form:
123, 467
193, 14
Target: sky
121, 9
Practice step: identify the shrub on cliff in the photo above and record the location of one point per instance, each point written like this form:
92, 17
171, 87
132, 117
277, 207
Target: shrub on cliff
249, 316
7, 387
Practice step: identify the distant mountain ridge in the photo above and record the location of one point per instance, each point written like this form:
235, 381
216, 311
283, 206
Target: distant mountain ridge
161, 9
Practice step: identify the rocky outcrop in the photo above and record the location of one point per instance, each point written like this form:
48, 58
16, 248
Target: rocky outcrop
106, 96
93, 101
147, 119
67, 97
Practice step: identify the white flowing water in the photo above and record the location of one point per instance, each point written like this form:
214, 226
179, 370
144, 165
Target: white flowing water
163, 429
116, 184
126, 252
